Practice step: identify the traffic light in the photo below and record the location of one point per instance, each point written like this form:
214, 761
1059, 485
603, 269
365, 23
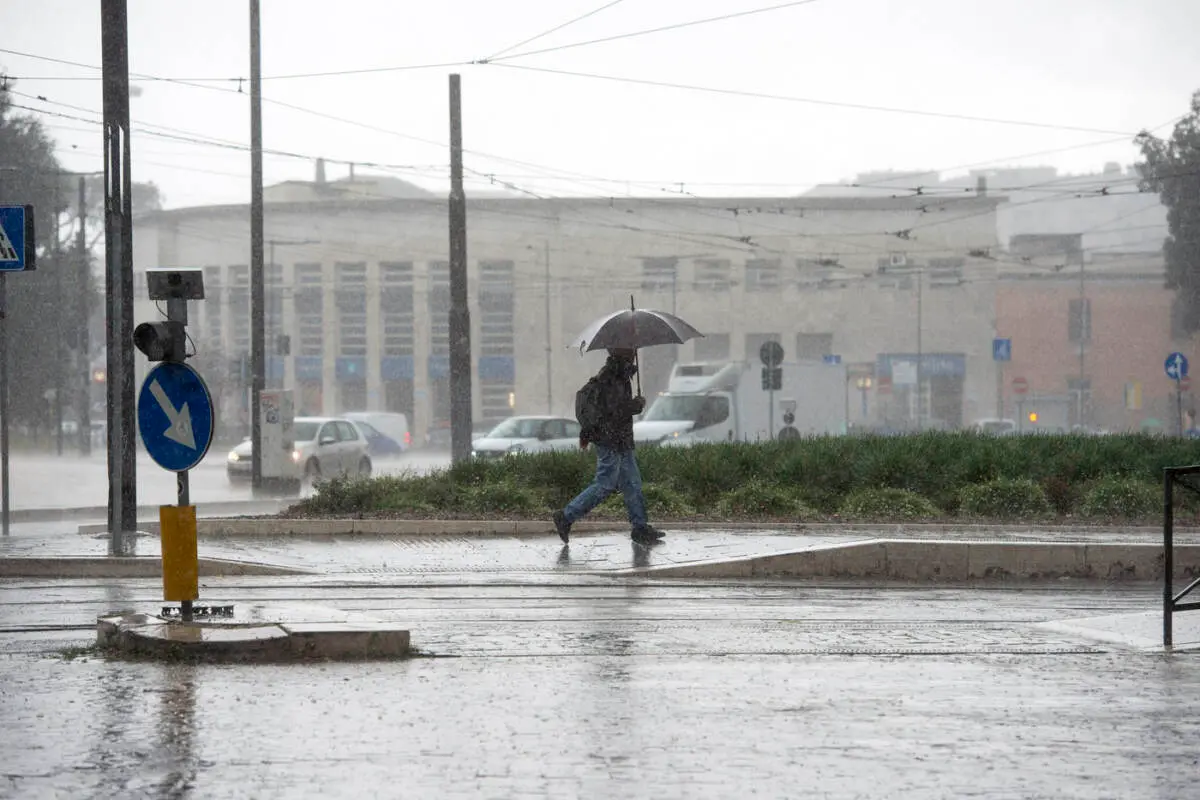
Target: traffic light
772, 379
1033, 417
161, 341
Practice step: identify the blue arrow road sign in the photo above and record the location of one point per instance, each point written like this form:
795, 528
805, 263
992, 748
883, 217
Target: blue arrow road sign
1002, 349
175, 416
16, 238
1176, 366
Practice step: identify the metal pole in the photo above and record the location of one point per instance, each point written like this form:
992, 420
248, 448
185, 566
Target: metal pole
549, 336
84, 294
920, 355
177, 312
1179, 407
58, 340
1168, 556
257, 333
118, 247
460, 315
1084, 325
5, 503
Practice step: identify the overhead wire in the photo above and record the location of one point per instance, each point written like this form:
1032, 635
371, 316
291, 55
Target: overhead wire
808, 100
556, 28
649, 31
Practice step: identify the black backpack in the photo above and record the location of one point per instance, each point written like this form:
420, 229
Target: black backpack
587, 406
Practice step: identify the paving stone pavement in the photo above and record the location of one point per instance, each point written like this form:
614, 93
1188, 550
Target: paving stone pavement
582, 686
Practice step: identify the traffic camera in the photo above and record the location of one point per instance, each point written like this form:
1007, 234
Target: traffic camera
166, 340
161, 341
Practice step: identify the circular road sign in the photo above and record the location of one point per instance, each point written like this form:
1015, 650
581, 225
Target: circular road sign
771, 354
1020, 385
175, 416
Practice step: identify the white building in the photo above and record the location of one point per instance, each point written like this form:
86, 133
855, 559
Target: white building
358, 282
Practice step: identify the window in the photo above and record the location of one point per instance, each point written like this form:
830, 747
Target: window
273, 313
659, 274
351, 283
396, 308
762, 274
1079, 320
439, 308
813, 346
239, 307
347, 432
713, 347
214, 332
496, 308
310, 310
555, 429
712, 275
328, 433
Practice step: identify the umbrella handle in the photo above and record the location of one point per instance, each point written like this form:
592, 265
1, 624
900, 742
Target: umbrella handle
632, 307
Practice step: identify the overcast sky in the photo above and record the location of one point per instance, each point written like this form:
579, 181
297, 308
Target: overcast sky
1090, 72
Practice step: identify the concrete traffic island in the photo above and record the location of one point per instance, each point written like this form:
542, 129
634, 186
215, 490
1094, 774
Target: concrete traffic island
294, 635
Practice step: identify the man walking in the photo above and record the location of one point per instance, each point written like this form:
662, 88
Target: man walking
606, 408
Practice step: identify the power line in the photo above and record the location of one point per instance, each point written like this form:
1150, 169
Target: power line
662, 29
236, 79
555, 29
809, 100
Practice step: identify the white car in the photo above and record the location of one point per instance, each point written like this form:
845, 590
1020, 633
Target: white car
529, 434
325, 447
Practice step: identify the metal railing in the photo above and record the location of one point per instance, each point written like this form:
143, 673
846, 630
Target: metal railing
1173, 602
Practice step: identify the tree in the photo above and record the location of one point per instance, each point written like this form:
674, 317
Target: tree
36, 322
1171, 167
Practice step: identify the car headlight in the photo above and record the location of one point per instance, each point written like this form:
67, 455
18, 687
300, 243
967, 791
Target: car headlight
295, 456
234, 457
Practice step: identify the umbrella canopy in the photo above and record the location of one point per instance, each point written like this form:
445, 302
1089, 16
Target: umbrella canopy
635, 328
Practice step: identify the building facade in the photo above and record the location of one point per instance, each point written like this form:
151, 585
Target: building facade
358, 296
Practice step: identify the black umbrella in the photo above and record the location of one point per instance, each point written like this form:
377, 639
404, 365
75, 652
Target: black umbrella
635, 328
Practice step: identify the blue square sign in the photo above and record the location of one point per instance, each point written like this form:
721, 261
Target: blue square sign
16, 238
1002, 349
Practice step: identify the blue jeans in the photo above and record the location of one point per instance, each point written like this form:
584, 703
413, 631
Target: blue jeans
615, 469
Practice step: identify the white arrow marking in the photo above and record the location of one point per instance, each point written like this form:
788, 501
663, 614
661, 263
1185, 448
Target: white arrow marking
180, 429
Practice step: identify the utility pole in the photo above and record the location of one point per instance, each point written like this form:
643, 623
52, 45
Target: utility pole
920, 355
84, 294
58, 340
1085, 319
549, 335
118, 256
5, 489
460, 314
258, 353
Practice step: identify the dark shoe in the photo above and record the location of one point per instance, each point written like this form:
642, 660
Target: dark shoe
562, 526
646, 534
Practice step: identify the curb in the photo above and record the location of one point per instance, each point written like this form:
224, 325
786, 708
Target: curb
129, 567
145, 636
20, 515
275, 526
948, 561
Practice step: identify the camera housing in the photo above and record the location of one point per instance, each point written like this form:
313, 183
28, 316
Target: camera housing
175, 284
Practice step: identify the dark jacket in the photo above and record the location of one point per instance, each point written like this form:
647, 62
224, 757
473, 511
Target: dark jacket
618, 407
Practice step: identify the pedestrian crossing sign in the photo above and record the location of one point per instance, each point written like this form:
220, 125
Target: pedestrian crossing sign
16, 238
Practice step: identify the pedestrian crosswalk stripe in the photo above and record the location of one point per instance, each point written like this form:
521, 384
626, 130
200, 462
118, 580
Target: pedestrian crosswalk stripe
7, 251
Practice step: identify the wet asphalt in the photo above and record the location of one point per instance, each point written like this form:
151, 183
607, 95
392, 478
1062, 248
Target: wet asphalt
572, 684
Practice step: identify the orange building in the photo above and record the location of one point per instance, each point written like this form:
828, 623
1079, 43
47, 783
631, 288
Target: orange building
1099, 333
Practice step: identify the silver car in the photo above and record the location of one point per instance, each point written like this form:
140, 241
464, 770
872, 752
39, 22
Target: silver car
527, 434
325, 447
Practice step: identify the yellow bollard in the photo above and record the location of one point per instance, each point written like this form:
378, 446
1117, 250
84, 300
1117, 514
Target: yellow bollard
180, 567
